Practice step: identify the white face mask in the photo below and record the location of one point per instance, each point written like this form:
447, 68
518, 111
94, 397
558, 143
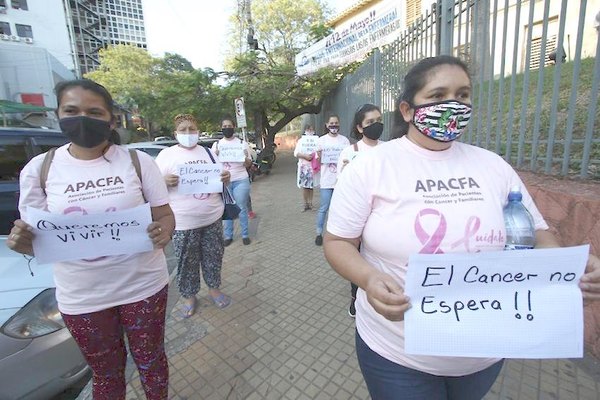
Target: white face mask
188, 139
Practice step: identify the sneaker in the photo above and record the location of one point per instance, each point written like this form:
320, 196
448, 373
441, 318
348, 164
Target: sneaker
251, 215
319, 240
227, 242
246, 241
352, 309
306, 207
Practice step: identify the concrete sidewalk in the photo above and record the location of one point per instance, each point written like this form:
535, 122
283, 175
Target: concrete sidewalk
287, 334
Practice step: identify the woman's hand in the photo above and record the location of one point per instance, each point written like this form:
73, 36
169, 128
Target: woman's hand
590, 281
386, 296
160, 236
307, 157
171, 180
20, 238
226, 177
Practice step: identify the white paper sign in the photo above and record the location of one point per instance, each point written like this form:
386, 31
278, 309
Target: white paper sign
330, 155
513, 304
60, 237
309, 144
231, 152
200, 178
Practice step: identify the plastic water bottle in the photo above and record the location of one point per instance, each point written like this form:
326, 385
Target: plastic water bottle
520, 230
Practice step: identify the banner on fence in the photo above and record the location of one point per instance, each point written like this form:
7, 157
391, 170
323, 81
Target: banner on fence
374, 27
514, 304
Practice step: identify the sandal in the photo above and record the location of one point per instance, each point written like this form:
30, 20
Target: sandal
187, 310
221, 301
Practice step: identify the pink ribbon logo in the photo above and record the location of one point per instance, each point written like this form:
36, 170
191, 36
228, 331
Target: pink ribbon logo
431, 243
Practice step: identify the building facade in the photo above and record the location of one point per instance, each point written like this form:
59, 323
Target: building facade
35, 51
96, 24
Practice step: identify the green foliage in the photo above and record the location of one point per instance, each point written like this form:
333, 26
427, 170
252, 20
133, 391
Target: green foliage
160, 88
267, 78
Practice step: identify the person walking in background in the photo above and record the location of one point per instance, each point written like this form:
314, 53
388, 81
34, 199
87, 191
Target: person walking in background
329, 148
240, 181
198, 236
100, 299
375, 205
367, 128
304, 151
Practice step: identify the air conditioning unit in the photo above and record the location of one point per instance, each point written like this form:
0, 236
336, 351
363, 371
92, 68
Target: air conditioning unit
5, 37
15, 38
28, 40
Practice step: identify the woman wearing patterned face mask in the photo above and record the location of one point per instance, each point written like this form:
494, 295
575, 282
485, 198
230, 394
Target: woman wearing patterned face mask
375, 204
329, 148
102, 299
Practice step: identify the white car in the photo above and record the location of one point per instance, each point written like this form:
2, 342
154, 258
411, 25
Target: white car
150, 148
38, 356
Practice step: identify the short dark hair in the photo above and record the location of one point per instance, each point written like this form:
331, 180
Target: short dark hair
227, 118
359, 116
415, 80
86, 84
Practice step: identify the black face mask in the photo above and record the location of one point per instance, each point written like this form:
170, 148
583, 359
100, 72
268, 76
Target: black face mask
373, 131
85, 131
227, 132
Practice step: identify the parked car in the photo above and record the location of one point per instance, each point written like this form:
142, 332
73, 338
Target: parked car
151, 148
38, 356
163, 138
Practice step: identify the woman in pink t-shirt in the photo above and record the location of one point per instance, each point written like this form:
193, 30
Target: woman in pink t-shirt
367, 127
397, 200
104, 297
240, 181
198, 236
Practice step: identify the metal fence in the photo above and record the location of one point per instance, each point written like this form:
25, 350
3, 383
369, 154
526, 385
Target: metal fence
535, 78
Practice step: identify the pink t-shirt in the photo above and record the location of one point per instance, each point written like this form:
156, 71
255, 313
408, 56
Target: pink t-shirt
350, 154
401, 199
236, 169
329, 170
191, 210
86, 286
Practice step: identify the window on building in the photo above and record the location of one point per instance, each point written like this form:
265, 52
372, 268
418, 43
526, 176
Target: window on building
3, 3
19, 4
536, 43
4, 28
24, 30
413, 11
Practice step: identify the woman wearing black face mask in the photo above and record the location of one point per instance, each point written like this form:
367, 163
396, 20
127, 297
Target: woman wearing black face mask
367, 129
104, 297
240, 181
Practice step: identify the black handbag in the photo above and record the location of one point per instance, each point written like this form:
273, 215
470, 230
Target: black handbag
232, 210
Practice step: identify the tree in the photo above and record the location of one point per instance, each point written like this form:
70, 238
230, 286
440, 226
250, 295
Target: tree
266, 78
160, 88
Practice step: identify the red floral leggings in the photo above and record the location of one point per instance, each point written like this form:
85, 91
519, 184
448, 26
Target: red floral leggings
100, 338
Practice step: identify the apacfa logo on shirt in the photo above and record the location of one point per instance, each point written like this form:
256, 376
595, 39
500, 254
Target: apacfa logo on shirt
93, 184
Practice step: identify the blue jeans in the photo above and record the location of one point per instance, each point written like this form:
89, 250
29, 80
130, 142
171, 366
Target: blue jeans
325, 199
241, 193
387, 380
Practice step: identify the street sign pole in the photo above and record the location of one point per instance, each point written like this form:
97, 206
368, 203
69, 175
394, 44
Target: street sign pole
240, 115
